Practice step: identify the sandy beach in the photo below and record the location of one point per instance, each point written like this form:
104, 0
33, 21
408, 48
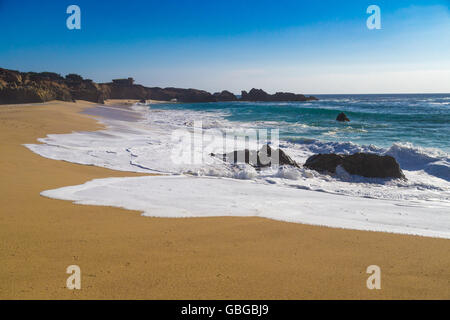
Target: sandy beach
123, 255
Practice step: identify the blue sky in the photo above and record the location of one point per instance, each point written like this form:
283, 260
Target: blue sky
301, 46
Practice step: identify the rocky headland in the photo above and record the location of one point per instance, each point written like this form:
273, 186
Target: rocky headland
29, 87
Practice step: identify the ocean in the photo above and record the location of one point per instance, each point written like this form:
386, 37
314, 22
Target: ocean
176, 140
422, 120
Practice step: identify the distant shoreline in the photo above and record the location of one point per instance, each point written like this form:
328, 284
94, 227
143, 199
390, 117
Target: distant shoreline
28, 87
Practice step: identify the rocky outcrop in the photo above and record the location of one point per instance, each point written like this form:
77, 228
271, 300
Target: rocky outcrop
17, 87
28, 87
254, 95
225, 96
288, 96
261, 95
86, 89
265, 157
342, 117
184, 95
121, 90
363, 164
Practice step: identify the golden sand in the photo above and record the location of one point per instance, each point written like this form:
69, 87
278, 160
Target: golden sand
125, 255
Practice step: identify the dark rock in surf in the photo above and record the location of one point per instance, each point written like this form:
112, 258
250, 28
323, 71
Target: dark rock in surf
324, 163
372, 165
363, 164
342, 117
265, 157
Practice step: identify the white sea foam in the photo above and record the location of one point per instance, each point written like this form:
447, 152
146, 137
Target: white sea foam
148, 146
206, 197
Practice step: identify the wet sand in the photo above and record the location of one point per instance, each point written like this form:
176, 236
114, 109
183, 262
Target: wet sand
123, 113
124, 255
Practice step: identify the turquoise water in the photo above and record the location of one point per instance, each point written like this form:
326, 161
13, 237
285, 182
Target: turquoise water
380, 120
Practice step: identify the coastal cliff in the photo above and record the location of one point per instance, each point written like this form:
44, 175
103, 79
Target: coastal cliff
28, 87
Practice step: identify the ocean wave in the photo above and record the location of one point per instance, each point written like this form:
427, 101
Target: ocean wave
431, 160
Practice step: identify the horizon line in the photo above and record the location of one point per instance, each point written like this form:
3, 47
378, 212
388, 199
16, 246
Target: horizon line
236, 94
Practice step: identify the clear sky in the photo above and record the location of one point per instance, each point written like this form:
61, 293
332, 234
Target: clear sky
307, 47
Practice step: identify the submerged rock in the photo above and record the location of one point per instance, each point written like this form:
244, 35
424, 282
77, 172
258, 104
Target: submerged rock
265, 157
363, 164
342, 117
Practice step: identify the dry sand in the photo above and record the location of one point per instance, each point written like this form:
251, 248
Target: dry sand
125, 255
